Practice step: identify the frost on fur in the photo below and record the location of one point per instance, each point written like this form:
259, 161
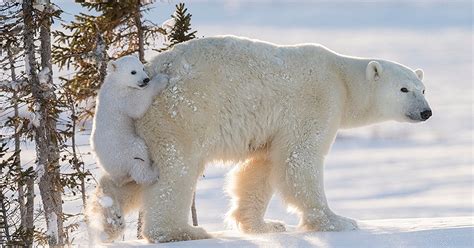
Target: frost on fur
125, 96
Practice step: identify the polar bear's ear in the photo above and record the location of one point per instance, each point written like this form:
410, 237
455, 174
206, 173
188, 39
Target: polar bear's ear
419, 73
111, 66
373, 71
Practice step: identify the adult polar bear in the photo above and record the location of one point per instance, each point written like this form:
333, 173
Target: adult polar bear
274, 109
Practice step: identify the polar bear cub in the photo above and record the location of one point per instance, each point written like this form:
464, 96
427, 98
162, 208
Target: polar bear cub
126, 94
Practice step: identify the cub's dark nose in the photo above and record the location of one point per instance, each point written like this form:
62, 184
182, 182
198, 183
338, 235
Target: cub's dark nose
146, 80
426, 114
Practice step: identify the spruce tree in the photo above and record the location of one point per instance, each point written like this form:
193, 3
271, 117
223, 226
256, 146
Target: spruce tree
12, 232
38, 16
14, 97
91, 40
181, 30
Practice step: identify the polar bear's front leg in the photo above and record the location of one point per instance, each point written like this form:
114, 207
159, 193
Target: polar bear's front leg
168, 201
302, 187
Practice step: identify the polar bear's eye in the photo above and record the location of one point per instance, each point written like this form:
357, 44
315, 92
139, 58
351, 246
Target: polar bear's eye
134, 72
423, 92
404, 90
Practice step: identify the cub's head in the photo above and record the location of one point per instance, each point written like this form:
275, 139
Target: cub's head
400, 93
128, 71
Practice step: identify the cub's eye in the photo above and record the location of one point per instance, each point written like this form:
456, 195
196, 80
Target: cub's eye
404, 90
423, 92
133, 72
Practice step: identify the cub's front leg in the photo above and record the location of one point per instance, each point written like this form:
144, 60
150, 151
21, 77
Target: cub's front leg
140, 100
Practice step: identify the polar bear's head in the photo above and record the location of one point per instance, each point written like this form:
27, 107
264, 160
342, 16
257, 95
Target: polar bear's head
400, 93
128, 71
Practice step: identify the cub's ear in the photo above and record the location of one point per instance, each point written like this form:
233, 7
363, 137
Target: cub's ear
419, 73
373, 71
111, 66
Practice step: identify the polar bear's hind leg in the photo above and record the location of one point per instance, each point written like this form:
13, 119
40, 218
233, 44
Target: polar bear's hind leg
107, 207
169, 199
104, 213
251, 192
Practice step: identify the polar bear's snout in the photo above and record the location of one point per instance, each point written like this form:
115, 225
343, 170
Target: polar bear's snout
420, 110
420, 114
426, 114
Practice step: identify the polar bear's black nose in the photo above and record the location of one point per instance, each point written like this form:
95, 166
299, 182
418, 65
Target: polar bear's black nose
426, 114
146, 80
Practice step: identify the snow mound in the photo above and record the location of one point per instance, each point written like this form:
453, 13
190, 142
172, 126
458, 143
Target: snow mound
419, 232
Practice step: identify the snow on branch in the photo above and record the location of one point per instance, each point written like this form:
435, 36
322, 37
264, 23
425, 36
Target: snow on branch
169, 24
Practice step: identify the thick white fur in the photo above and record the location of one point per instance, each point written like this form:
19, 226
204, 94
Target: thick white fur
123, 98
274, 109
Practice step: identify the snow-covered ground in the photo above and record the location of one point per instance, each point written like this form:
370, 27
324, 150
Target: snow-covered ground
409, 185
419, 232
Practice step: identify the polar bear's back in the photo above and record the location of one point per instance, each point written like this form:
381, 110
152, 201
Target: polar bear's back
236, 52
227, 68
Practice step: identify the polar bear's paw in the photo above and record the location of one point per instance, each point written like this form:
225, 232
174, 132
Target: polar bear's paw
178, 234
330, 223
274, 226
269, 226
340, 223
105, 218
143, 173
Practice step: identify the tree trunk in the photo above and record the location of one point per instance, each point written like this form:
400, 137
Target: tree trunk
47, 151
26, 208
30, 63
101, 54
193, 211
75, 159
141, 56
17, 160
77, 165
140, 225
30, 210
138, 24
5, 233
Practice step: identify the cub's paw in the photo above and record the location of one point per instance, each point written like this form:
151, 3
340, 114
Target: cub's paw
144, 174
177, 234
